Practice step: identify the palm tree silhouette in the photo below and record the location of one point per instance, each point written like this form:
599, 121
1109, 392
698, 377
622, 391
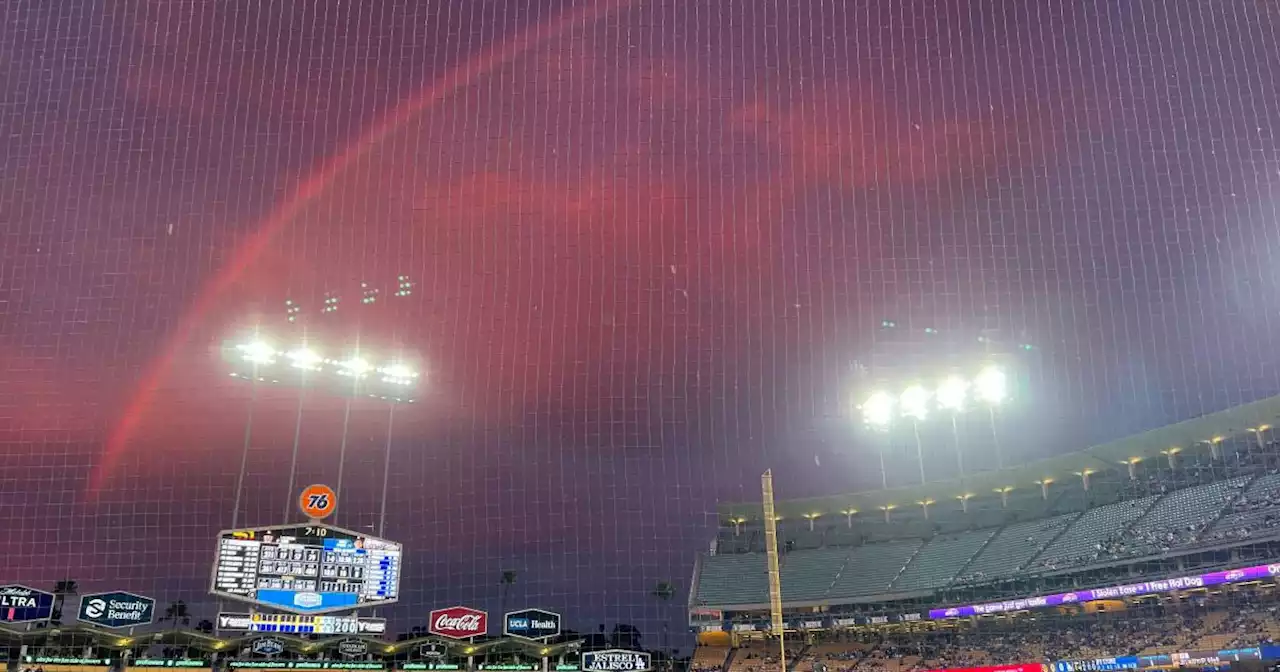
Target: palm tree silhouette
508, 579
663, 591
176, 613
61, 590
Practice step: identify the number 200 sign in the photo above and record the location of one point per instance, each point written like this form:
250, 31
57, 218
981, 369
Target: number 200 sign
318, 501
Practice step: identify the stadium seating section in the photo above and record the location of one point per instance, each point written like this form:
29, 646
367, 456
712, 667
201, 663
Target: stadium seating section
939, 560
1257, 509
1013, 547
1232, 621
844, 563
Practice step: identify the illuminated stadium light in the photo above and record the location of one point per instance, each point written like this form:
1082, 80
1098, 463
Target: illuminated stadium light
953, 393
877, 410
915, 402
991, 386
398, 374
356, 367
405, 287
305, 359
257, 352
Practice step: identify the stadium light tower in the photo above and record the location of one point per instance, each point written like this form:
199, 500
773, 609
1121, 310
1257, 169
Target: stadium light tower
877, 413
991, 387
257, 353
952, 396
305, 367
915, 405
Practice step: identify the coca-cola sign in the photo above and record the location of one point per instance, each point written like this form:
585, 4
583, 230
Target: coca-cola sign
459, 623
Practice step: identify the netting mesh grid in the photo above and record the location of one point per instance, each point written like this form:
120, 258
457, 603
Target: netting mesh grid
639, 252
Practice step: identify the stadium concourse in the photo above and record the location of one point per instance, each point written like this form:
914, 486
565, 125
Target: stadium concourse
1158, 544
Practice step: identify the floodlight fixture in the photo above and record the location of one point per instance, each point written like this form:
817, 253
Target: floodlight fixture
398, 374
915, 402
356, 367
877, 410
306, 359
991, 386
953, 393
257, 352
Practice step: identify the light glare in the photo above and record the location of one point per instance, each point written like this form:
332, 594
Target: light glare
258, 352
305, 358
915, 402
953, 393
877, 410
991, 386
400, 371
356, 366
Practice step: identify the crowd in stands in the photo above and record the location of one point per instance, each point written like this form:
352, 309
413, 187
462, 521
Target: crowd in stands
1237, 619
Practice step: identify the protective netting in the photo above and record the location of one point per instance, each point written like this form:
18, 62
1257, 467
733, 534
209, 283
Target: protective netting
639, 252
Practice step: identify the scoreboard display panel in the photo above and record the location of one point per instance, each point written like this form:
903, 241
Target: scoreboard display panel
306, 569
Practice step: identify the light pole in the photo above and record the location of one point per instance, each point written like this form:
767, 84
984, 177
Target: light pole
394, 383
991, 388
257, 354
915, 405
951, 395
877, 413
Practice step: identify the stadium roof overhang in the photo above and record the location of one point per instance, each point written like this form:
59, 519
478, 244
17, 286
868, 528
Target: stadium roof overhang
1154, 444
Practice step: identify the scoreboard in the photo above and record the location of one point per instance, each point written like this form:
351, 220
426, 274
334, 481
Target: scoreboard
306, 569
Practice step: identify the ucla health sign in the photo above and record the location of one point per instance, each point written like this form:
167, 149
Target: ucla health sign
531, 624
116, 610
20, 604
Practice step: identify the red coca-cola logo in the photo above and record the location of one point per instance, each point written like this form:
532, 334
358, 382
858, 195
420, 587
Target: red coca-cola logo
459, 622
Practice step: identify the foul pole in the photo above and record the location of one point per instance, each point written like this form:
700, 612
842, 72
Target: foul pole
775, 578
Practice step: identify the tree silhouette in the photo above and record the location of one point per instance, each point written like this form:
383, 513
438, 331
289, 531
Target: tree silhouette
61, 590
663, 591
625, 636
176, 613
508, 579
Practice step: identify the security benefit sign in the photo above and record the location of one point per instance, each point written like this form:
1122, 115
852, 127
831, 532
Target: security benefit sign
20, 604
116, 610
616, 660
531, 624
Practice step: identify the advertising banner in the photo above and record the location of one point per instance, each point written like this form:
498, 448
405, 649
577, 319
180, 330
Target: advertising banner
531, 624
1019, 667
20, 604
301, 624
116, 610
615, 660
1113, 592
458, 622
